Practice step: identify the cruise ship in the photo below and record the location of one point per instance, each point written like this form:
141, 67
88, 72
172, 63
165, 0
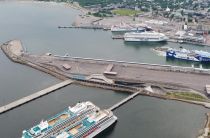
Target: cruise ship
189, 55
123, 27
145, 36
82, 120
90, 126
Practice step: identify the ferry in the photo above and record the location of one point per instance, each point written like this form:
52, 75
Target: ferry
123, 27
82, 120
189, 55
145, 36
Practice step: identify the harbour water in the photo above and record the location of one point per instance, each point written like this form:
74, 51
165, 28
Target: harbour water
36, 25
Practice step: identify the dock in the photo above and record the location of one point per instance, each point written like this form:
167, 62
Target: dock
34, 96
174, 40
82, 27
115, 106
111, 74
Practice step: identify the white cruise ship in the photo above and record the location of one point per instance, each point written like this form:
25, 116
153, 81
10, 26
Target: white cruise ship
90, 126
84, 120
146, 36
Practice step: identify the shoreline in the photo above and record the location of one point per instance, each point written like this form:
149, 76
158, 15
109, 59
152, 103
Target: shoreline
75, 5
93, 22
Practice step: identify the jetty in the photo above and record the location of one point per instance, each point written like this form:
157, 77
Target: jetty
174, 40
120, 103
82, 27
34, 96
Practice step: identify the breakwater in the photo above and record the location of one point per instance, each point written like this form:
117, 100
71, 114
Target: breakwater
121, 75
34, 96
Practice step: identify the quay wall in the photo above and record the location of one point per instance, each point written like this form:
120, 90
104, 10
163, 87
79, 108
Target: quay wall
58, 75
121, 88
22, 60
142, 65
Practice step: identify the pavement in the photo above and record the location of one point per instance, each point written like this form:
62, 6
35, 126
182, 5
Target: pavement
126, 71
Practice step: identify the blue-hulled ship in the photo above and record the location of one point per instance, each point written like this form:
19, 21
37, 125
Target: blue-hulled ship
189, 55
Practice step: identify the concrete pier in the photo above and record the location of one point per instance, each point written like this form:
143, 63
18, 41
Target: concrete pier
116, 75
82, 27
33, 96
134, 72
123, 101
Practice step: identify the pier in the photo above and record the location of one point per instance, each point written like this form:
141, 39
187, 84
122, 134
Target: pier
118, 71
34, 96
115, 106
110, 74
82, 27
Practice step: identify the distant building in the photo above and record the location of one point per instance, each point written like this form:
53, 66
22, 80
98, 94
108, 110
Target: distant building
66, 66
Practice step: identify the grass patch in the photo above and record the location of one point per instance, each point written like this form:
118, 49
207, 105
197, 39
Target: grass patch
125, 12
186, 96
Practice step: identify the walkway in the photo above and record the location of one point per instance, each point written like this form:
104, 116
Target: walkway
33, 96
124, 101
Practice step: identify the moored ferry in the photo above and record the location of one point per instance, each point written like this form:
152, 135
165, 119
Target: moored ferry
189, 55
145, 36
82, 120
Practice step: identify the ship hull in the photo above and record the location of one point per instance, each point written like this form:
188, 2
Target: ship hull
102, 127
124, 30
144, 40
174, 55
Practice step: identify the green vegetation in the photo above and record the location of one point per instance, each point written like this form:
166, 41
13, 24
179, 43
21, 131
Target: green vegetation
186, 96
103, 13
144, 5
125, 12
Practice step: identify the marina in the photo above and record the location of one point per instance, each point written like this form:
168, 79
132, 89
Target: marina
169, 28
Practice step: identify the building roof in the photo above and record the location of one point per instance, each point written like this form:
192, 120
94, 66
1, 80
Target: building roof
66, 66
